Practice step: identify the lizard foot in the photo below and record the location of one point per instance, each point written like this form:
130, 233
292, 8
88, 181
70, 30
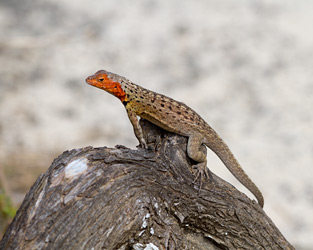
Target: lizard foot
142, 144
145, 146
202, 173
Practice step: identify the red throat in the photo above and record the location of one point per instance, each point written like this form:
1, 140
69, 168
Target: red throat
102, 81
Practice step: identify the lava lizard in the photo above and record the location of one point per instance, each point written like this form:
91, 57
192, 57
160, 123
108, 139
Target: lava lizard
172, 116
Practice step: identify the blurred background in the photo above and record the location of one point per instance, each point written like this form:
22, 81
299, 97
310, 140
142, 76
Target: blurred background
245, 66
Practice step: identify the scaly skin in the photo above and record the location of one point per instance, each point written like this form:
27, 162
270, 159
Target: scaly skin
172, 116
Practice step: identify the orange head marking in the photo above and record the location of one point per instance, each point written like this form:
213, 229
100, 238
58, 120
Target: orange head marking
101, 80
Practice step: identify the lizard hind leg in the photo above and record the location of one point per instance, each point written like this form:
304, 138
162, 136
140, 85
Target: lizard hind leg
197, 151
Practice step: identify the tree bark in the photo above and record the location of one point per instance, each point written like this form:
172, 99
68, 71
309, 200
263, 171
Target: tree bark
119, 198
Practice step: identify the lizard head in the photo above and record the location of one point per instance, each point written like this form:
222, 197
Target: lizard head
107, 81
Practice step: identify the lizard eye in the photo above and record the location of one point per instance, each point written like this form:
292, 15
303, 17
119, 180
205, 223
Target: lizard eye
101, 79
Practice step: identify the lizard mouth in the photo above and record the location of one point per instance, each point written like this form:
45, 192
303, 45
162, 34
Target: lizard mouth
90, 80
105, 83
93, 82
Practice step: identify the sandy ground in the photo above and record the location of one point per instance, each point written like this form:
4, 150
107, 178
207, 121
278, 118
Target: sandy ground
245, 66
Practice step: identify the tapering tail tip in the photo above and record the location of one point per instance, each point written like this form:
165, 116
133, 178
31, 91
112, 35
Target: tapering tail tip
260, 198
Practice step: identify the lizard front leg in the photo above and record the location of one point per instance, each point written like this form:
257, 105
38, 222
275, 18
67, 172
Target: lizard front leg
136, 126
197, 151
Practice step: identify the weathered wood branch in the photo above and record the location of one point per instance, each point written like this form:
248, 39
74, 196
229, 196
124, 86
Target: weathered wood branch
118, 198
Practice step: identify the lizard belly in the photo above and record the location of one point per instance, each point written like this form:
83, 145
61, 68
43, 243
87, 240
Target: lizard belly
168, 126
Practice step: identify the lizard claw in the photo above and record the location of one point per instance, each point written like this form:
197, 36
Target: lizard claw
202, 173
142, 144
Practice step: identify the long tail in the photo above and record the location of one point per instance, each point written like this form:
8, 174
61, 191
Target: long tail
219, 147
